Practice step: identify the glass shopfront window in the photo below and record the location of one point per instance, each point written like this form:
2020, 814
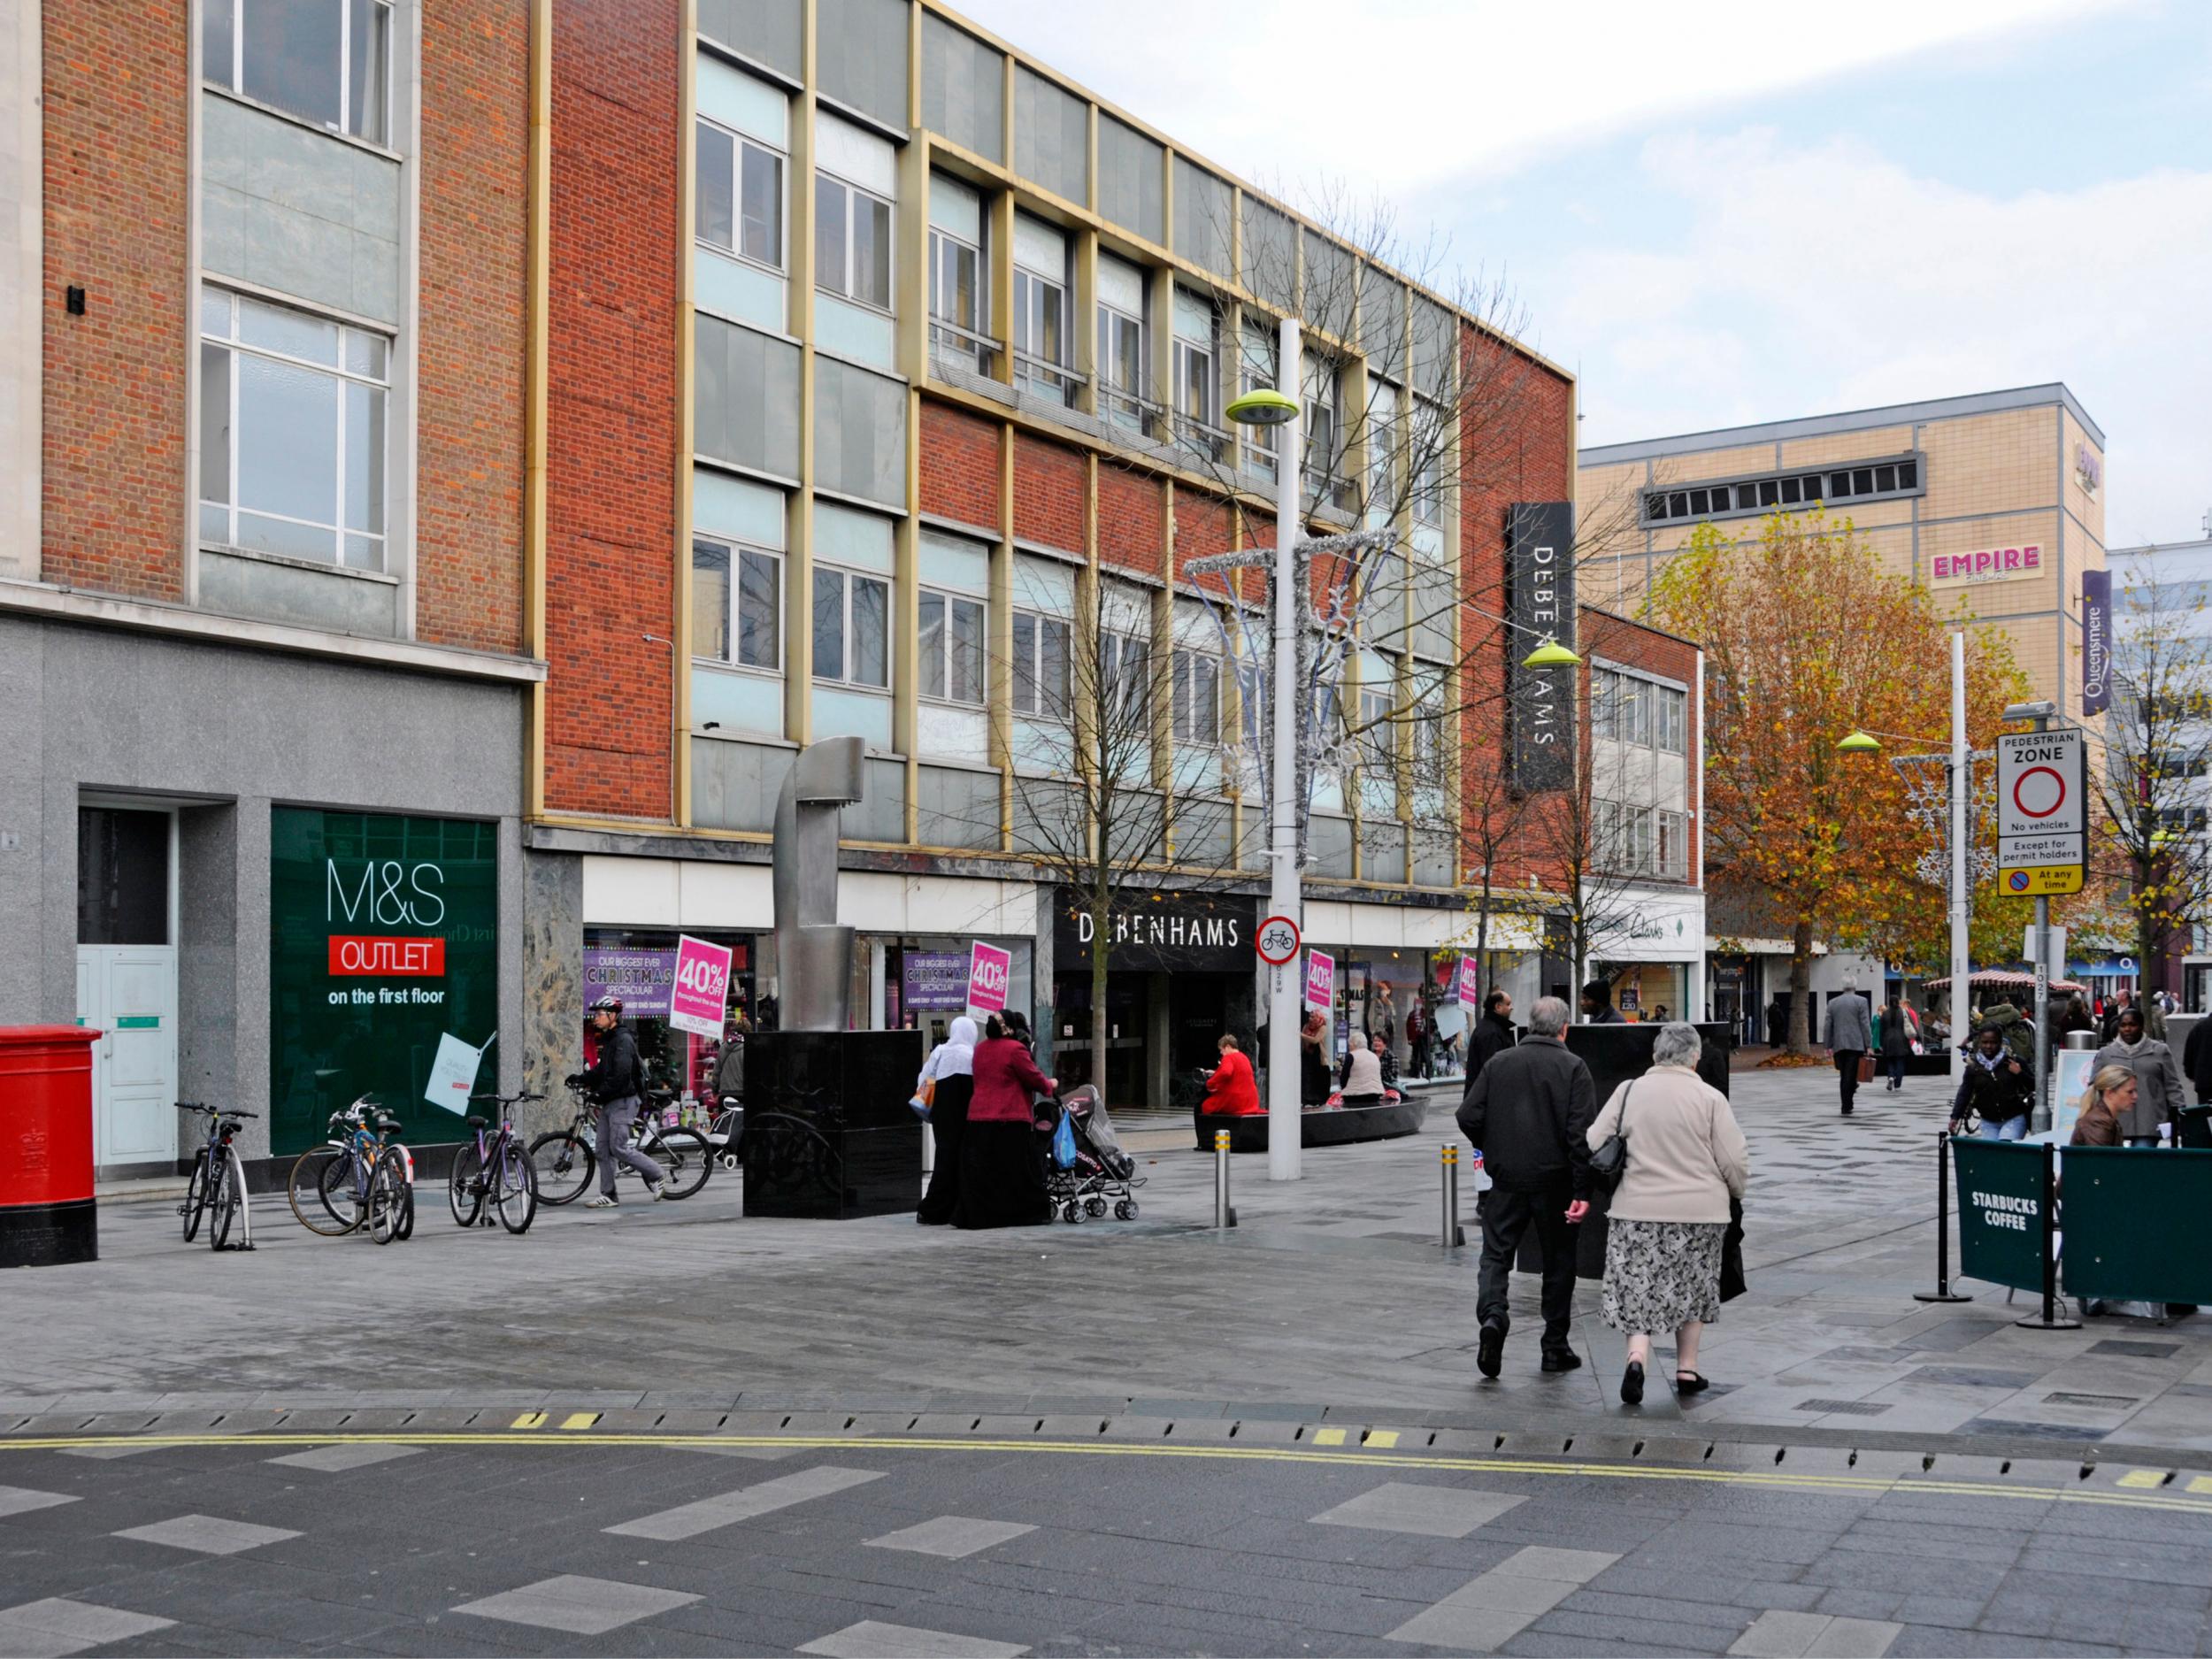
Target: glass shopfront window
639, 965
925, 980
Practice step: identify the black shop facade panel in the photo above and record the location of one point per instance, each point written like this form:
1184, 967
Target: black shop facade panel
1181, 971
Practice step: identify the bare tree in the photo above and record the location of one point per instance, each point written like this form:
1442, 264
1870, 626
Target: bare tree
2150, 844
1113, 717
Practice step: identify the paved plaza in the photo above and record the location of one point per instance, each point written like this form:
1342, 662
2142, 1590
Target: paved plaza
669, 1429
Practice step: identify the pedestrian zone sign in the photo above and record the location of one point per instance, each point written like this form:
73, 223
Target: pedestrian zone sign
2042, 811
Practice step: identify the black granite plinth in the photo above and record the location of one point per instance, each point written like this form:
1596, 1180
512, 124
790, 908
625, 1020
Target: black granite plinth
1317, 1125
1615, 1053
828, 1133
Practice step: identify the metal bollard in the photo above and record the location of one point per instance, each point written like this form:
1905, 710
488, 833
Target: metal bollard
1453, 1235
1224, 1212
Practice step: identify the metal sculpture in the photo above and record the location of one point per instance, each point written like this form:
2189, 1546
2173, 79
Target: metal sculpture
814, 954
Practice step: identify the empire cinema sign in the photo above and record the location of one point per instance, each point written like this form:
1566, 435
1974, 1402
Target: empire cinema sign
1988, 564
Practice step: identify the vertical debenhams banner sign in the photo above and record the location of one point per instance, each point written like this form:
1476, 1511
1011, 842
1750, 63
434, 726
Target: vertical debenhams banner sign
2096, 642
1541, 603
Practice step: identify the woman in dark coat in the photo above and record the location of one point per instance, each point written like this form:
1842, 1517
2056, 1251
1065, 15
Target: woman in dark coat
1314, 1082
1896, 1042
950, 1067
1001, 1155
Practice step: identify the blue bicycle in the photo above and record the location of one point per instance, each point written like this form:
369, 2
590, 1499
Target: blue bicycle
359, 1180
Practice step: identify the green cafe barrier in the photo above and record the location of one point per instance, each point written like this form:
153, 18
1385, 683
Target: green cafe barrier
2132, 1222
2135, 1224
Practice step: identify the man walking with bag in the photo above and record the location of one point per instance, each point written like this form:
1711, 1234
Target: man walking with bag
1528, 1113
1848, 1033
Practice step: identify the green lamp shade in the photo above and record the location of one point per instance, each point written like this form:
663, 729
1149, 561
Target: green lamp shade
1858, 743
1264, 406
1550, 654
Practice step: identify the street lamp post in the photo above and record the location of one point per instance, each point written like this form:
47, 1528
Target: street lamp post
1266, 406
1279, 410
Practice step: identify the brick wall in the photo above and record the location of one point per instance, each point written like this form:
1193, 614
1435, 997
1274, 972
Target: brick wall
611, 407
960, 467
1131, 509
473, 336
1202, 527
116, 109
1047, 493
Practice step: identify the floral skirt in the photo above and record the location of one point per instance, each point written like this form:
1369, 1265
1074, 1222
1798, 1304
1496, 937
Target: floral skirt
1660, 1274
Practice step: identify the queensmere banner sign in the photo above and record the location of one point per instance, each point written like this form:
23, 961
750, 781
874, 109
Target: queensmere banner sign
383, 943
2096, 642
1541, 605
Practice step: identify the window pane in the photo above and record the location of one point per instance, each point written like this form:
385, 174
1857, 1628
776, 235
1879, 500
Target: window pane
872, 632
215, 41
1052, 667
759, 611
1207, 697
364, 459
369, 58
1179, 714
122, 877
289, 332
287, 439
715, 159
711, 601
968, 291
871, 252
762, 230
932, 644
967, 651
830, 212
829, 625
1024, 663
288, 536
292, 54
365, 354
214, 423
1051, 337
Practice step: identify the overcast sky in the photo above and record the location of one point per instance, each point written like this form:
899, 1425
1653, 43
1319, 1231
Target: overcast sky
1719, 213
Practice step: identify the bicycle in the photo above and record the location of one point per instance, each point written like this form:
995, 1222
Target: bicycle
495, 1166
566, 1159
218, 1181
360, 1168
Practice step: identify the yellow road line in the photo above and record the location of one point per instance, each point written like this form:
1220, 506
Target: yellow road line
529, 1420
576, 1420
1779, 1478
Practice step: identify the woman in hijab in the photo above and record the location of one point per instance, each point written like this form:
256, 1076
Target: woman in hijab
951, 1067
1001, 1155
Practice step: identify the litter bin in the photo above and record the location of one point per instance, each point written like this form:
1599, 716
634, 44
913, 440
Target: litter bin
47, 1215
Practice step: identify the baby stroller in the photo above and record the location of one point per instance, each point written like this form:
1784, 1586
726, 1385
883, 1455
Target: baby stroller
1099, 1172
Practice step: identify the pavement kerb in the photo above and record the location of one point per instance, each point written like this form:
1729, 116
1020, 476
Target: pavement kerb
2157, 1490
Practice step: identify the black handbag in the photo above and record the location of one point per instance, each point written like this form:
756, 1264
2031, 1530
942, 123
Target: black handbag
1732, 1279
1610, 1161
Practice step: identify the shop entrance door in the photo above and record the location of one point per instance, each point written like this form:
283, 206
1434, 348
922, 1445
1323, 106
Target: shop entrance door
126, 980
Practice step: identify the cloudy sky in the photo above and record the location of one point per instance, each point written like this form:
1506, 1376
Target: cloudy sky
1721, 213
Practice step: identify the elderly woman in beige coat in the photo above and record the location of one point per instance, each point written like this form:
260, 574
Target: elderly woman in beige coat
1687, 1159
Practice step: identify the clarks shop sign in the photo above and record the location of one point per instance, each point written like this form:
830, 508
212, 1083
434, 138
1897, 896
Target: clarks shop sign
1541, 605
1162, 931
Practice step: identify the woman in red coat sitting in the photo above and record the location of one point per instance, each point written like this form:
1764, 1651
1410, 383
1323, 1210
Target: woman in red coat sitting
1231, 1091
1002, 1156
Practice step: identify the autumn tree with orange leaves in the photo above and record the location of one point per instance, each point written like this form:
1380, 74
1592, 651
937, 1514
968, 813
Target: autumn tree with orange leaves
1807, 638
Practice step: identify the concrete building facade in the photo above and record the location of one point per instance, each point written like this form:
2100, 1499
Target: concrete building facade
1995, 500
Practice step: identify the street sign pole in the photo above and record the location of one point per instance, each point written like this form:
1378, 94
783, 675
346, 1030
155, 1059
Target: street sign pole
2042, 841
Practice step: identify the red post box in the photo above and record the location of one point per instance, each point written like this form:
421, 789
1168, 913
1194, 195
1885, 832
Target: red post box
47, 1215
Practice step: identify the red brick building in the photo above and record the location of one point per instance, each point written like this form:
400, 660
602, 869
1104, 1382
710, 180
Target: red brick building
263, 348
887, 372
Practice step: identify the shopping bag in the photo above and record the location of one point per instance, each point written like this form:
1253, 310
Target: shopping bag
1064, 1143
1732, 1279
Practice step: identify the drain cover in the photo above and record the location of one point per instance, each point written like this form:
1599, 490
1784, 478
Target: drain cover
2096, 1403
1847, 1408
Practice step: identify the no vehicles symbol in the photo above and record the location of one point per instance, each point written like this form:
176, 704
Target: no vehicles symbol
2039, 792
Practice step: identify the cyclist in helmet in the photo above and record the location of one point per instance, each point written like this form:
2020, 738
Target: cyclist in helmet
615, 1083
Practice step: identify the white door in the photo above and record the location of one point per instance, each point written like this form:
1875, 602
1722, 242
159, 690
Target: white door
129, 992
127, 978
